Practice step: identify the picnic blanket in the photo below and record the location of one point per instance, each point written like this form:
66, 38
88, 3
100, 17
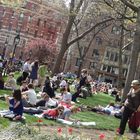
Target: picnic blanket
76, 123
8, 114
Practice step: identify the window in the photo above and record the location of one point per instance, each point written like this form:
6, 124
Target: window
112, 57
78, 62
115, 30
95, 52
45, 24
107, 55
116, 57
109, 68
38, 22
125, 59
104, 67
98, 40
93, 65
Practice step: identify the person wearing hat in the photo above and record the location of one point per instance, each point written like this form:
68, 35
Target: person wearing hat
131, 105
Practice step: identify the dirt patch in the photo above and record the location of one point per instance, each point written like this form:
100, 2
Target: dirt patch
83, 133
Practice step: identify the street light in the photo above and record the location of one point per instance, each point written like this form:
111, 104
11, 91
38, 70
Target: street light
16, 42
4, 49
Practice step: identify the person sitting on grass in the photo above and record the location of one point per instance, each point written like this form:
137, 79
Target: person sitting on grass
15, 104
30, 98
24, 86
10, 82
66, 97
46, 102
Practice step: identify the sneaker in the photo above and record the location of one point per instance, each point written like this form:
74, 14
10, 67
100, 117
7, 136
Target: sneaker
133, 136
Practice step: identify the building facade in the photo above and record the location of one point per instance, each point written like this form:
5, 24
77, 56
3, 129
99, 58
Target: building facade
102, 58
34, 19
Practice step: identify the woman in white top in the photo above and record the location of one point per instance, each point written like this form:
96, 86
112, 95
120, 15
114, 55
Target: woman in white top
31, 96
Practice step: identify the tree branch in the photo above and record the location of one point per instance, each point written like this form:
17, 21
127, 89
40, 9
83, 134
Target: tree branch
79, 6
88, 31
109, 4
130, 5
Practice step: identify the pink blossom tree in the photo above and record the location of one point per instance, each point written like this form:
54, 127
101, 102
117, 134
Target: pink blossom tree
41, 49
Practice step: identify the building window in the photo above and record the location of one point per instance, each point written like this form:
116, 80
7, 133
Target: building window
109, 68
104, 68
77, 62
112, 57
107, 56
125, 59
116, 57
95, 52
93, 65
115, 30
98, 40
38, 22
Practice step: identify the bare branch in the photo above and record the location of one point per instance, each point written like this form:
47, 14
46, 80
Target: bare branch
79, 6
109, 4
130, 5
88, 31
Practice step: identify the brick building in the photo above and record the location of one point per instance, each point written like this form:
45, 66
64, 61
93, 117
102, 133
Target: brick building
102, 57
35, 19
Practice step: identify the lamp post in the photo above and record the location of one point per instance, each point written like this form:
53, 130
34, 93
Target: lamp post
4, 49
16, 42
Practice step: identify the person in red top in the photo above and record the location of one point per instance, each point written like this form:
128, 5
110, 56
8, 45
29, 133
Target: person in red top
53, 113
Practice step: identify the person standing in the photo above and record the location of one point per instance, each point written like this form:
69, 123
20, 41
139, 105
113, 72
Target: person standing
42, 72
131, 105
34, 72
26, 68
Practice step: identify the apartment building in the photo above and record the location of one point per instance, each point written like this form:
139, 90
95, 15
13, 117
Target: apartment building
102, 58
34, 19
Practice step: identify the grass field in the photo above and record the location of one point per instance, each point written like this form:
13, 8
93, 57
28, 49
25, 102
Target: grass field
103, 122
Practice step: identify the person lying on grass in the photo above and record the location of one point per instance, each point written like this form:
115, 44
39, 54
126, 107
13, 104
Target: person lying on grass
66, 115
53, 113
15, 104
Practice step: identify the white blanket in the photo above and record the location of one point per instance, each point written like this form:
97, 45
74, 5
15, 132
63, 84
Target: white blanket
76, 123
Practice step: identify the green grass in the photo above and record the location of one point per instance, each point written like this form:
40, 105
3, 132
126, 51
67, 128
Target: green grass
103, 122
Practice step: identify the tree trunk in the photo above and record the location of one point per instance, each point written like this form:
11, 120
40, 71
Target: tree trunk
134, 57
80, 67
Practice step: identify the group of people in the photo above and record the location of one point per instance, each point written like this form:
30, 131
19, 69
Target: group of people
62, 105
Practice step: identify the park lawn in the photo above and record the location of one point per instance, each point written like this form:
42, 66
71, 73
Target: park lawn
103, 122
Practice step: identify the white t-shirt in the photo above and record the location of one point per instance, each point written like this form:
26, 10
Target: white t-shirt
50, 103
67, 97
32, 98
63, 83
26, 67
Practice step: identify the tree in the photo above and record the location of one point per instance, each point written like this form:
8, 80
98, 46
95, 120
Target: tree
41, 50
134, 12
76, 8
